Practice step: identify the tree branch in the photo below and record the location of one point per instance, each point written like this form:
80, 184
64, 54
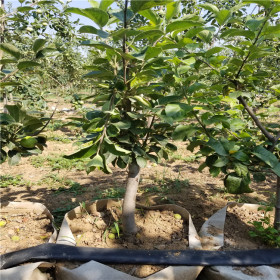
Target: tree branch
9, 75
202, 125
148, 133
256, 120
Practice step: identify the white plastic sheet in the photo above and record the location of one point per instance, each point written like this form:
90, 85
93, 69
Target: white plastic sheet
212, 238
96, 271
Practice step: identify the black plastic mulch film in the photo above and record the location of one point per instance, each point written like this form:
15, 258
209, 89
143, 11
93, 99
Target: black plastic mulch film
57, 252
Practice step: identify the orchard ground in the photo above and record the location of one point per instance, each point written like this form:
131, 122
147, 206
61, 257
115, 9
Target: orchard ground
61, 184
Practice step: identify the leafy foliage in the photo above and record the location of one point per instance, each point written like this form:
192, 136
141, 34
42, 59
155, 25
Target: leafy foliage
264, 230
20, 134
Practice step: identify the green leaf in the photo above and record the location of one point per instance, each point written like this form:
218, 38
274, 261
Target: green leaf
119, 14
83, 153
259, 177
97, 161
177, 111
115, 150
237, 185
122, 124
172, 9
148, 34
142, 101
237, 124
94, 4
7, 60
222, 16
27, 64
236, 49
38, 44
3, 156
238, 32
210, 7
181, 25
271, 30
152, 52
169, 99
241, 156
220, 162
142, 78
151, 16
100, 74
254, 24
213, 51
10, 49
99, 16
240, 169
182, 132
13, 157
171, 147
142, 162
265, 3
9, 84
218, 147
269, 158
214, 171
25, 9
104, 4
92, 30
6, 118
137, 5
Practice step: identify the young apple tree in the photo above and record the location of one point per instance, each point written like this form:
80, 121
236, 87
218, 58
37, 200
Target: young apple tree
234, 84
137, 101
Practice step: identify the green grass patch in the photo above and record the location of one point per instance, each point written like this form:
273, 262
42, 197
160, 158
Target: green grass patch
117, 192
62, 185
59, 163
13, 180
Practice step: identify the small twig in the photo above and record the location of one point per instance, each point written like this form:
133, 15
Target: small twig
148, 133
202, 125
274, 143
255, 119
9, 75
105, 126
37, 133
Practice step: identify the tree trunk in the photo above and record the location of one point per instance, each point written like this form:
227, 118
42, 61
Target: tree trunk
129, 204
277, 206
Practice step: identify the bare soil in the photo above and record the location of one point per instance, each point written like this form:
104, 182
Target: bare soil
23, 230
99, 231
237, 226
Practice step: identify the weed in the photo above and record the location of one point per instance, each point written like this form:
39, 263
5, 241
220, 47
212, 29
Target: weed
176, 156
264, 229
110, 193
60, 212
10, 180
74, 188
59, 163
166, 185
59, 138
271, 201
55, 125
62, 185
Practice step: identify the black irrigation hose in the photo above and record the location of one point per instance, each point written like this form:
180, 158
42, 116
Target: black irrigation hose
57, 252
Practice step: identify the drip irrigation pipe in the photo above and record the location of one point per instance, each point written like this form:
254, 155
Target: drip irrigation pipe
58, 252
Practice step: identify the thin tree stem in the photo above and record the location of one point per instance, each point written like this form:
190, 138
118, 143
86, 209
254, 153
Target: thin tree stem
256, 120
277, 206
202, 125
